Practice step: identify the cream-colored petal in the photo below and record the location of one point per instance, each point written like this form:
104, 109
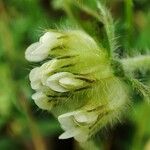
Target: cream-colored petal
54, 85
34, 74
53, 81
71, 83
30, 50
49, 36
50, 39
41, 100
70, 133
67, 120
86, 117
34, 77
46, 69
37, 52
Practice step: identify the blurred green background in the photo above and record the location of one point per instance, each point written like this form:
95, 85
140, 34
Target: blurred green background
22, 124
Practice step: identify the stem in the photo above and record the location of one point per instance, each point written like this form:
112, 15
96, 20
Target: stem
88, 10
68, 11
128, 23
130, 65
109, 29
141, 88
139, 62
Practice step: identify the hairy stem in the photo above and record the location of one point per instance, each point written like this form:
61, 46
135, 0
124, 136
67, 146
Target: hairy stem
88, 10
139, 62
109, 28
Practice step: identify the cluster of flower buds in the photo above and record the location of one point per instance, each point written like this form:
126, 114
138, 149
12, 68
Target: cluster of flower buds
75, 81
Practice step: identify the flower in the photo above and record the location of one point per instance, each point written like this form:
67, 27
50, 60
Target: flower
104, 108
76, 124
64, 81
76, 82
40, 50
39, 75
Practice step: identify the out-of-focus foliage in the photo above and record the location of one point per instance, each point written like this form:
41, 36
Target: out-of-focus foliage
22, 124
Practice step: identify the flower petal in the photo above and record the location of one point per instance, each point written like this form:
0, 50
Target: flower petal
47, 69
66, 121
50, 39
53, 81
70, 133
71, 83
37, 52
41, 100
86, 117
34, 77
30, 50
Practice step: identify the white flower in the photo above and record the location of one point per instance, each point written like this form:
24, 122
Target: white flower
64, 81
76, 124
39, 75
40, 50
42, 101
